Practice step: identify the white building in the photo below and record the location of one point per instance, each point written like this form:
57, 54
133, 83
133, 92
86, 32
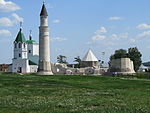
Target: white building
122, 66
90, 60
33, 50
23, 52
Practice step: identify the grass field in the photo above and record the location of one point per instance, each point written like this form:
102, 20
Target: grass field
73, 94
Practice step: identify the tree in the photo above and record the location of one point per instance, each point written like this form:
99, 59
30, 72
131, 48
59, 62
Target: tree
62, 59
132, 53
121, 53
78, 60
135, 56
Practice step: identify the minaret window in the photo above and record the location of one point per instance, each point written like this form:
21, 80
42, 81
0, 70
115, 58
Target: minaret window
19, 45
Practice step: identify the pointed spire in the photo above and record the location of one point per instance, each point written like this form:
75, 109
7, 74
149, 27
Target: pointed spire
43, 11
43, 1
20, 26
30, 35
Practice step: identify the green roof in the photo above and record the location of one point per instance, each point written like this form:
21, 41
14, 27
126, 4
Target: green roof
20, 37
32, 63
30, 41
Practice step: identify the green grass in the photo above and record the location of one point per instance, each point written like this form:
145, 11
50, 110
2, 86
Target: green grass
73, 94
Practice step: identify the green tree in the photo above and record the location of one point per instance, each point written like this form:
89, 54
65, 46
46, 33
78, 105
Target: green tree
121, 53
78, 60
62, 59
135, 56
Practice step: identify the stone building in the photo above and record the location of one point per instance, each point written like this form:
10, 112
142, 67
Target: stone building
122, 66
89, 60
4, 67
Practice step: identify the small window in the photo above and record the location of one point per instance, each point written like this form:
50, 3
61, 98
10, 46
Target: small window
29, 51
19, 45
24, 45
19, 55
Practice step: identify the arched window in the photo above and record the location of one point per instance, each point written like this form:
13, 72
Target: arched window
24, 45
19, 45
29, 51
19, 55
15, 45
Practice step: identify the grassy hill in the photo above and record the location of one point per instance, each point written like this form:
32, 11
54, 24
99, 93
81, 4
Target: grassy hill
73, 94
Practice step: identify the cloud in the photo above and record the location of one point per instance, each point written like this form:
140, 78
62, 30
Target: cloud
110, 44
8, 6
58, 39
124, 35
132, 40
98, 37
116, 18
5, 33
143, 26
17, 18
114, 36
101, 30
5, 22
145, 34
56, 21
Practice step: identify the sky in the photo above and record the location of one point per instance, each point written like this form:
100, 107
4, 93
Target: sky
79, 25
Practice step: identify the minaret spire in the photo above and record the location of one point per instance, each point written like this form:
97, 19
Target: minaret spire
43, 11
30, 35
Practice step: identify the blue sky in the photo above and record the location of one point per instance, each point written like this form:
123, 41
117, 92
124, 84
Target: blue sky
77, 25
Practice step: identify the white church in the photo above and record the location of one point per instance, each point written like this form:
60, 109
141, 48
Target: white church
26, 54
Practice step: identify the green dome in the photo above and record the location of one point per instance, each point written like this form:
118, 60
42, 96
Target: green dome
30, 41
20, 37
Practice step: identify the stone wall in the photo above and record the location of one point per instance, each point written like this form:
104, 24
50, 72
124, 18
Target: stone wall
94, 64
123, 65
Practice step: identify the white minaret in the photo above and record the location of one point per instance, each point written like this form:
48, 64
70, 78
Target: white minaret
44, 50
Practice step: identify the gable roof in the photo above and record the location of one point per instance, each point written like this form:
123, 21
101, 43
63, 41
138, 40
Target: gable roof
89, 56
43, 11
20, 37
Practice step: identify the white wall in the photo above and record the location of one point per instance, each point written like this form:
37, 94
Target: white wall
22, 51
23, 63
33, 68
34, 48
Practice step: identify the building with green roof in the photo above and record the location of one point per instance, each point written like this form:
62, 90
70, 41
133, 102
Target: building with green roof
25, 58
20, 37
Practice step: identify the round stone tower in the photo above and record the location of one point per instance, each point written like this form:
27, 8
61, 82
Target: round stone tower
44, 48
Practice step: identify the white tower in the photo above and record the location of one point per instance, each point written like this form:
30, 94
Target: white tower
20, 60
44, 50
33, 49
